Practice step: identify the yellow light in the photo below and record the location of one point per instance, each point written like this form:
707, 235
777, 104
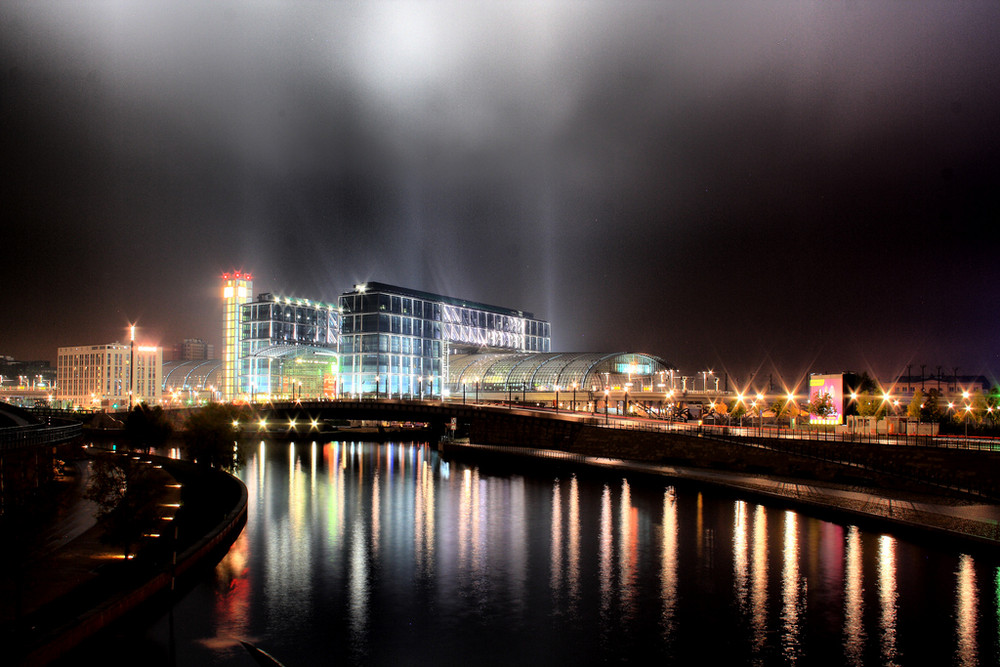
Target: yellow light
227, 292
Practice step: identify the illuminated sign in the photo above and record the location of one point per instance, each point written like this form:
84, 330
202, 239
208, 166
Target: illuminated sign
832, 385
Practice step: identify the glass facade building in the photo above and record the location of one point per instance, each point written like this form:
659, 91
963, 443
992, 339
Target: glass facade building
397, 341
288, 348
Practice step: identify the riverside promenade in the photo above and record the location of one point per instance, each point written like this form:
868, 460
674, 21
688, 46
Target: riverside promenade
73, 585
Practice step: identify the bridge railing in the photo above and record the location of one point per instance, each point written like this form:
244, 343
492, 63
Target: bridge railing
18, 437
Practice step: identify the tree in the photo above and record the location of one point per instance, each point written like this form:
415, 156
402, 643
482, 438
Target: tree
932, 405
870, 405
821, 404
915, 410
210, 437
147, 427
125, 490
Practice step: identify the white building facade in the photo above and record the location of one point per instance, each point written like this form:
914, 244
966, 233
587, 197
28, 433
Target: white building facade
110, 377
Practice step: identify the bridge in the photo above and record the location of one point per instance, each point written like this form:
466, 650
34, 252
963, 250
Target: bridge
924, 463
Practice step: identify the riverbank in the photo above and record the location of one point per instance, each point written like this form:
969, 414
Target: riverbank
922, 517
83, 587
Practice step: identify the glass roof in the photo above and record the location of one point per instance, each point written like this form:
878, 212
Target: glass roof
546, 371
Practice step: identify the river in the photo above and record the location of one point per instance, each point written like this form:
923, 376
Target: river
389, 554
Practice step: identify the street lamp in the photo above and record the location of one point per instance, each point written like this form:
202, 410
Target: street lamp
888, 406
420, 387
607, 395
463, 390
378, 380
760, 411
557, 399
477, 390
574, 397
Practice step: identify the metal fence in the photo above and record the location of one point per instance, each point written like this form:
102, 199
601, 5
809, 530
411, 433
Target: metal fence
19, 437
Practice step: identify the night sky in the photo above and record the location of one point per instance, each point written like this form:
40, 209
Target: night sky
773, 187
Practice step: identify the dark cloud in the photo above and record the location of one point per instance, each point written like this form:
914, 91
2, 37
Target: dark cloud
739, 185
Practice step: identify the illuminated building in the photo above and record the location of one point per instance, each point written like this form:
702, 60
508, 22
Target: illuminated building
101, 376
587, 373
288, 348
191, 382
237, 289
397, 341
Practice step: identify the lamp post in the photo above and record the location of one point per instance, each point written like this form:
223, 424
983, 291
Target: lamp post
378, 380
463, 391
574, 397
557, 399
131, 364
420, 387
887, 402
760, 413
607, 395
477, 390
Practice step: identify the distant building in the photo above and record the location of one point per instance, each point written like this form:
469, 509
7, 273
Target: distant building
191, 349
110, 376
15, 374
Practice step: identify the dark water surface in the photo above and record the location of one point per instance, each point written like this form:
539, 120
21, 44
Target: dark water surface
388, 554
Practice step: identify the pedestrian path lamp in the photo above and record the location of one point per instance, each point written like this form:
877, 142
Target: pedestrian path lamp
607, 395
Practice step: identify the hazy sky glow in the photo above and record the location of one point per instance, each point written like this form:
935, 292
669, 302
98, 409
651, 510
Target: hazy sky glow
729, 185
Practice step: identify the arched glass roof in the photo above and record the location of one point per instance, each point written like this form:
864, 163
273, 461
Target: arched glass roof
546, 371
199, 374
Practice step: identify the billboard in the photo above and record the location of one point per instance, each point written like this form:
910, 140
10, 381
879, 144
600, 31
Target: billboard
832, 385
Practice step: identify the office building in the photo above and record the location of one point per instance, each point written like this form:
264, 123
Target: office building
110, 377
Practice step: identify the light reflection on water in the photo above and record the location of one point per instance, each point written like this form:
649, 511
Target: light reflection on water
380, 554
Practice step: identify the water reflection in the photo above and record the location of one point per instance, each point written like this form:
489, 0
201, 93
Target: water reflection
605, 556
887, 597
668, 560
557, 540
758, 581
573, 539
628, 547
389, 554
740, 554
966, 604
854, 602
790, 590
